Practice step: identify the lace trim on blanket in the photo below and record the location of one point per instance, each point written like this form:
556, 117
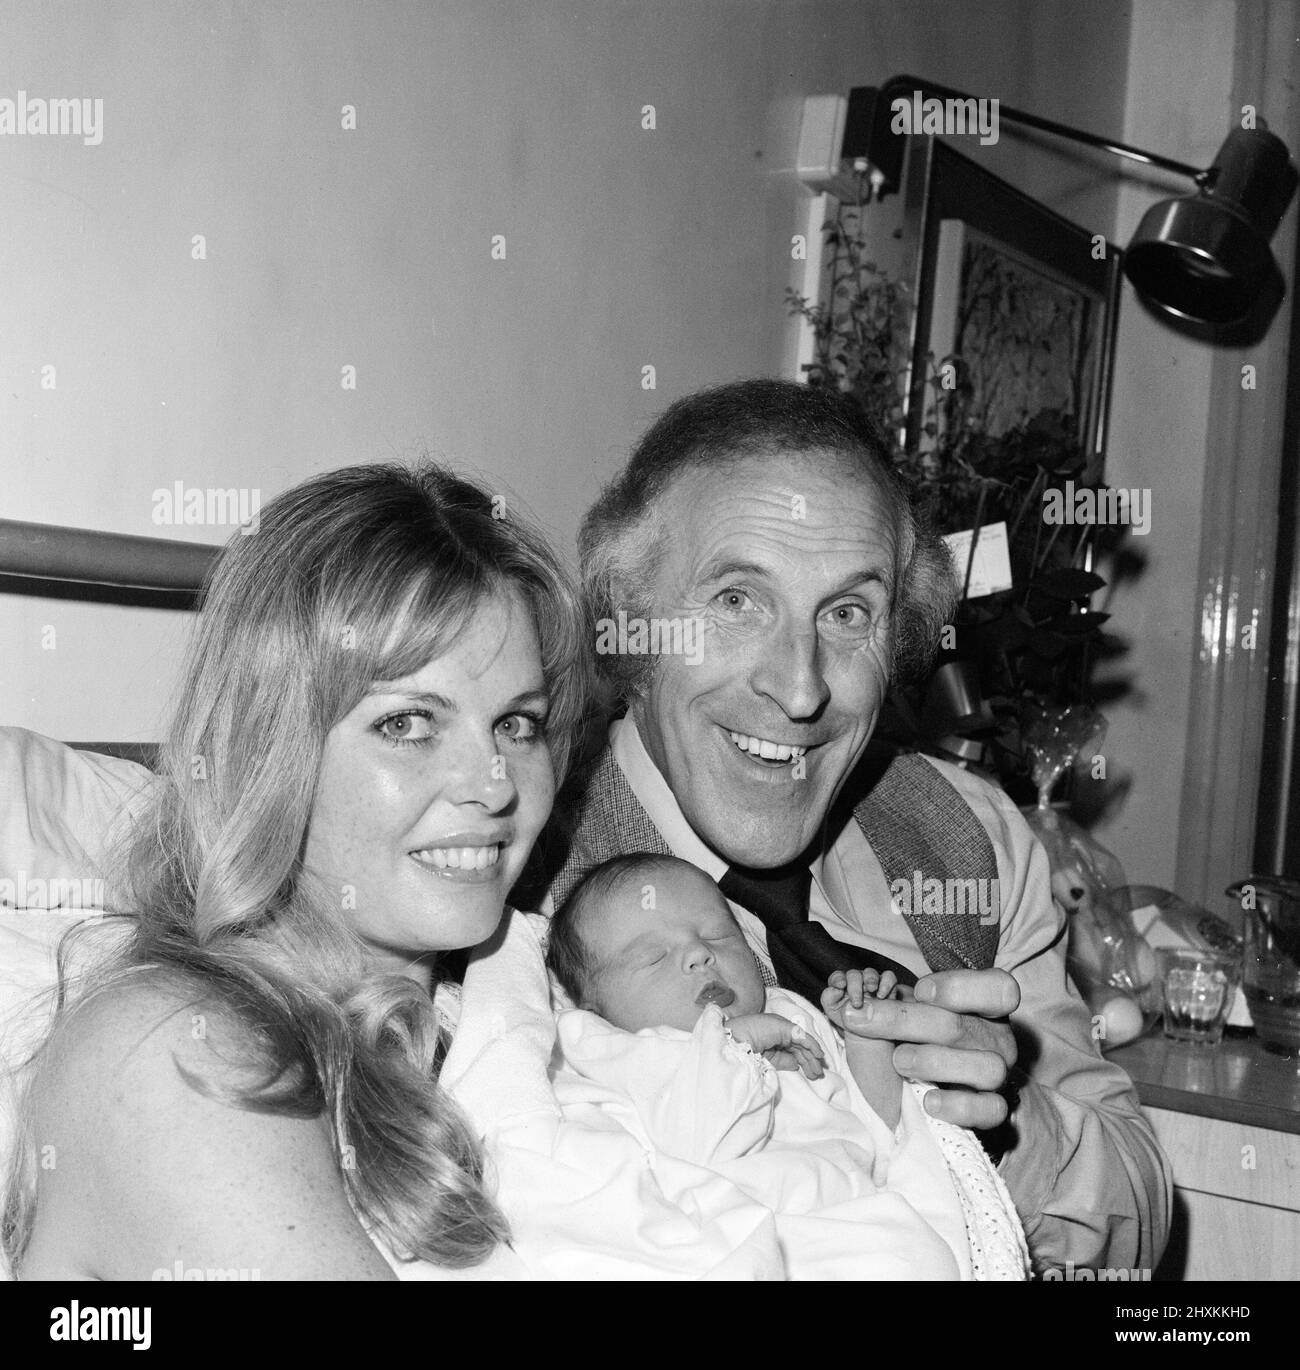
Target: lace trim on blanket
997, 1241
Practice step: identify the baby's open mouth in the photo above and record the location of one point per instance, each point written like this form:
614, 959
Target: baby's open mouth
715, 992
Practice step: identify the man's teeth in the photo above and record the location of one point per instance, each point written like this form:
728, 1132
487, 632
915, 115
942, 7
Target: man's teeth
769, 751
459, 858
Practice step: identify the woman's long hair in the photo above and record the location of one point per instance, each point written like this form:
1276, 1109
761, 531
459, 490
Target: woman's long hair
358, 575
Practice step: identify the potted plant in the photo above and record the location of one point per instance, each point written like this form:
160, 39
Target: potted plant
1014, 651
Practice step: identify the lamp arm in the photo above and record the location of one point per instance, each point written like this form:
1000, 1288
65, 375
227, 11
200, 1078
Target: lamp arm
895, 84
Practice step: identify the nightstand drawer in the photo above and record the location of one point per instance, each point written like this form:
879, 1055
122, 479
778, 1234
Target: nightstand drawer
1230, 1159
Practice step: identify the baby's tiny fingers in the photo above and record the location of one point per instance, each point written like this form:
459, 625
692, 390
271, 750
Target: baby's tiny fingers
888, 983
810, 1061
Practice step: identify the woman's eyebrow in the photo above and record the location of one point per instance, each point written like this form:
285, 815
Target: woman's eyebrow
537, 695
426, 697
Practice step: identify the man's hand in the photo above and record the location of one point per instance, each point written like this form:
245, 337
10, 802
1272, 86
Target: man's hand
949, 1033
782, 1042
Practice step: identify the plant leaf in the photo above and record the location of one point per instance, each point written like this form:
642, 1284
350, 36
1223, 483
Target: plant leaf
1078, 625
1068, 582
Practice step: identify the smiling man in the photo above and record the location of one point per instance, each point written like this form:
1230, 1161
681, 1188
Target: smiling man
769, 514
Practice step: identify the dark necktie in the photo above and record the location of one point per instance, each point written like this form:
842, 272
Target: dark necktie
803, 952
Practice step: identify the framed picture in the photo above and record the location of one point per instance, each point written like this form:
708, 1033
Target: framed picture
977, 327
1016, 301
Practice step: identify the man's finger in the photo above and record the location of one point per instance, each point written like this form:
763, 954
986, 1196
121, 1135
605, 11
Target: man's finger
900, 1021
986, 993
975, 1069
966, 1109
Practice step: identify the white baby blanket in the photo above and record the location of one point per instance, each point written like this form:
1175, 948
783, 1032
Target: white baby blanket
664, 1154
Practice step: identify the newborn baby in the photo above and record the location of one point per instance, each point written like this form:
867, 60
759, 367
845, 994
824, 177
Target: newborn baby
674, 1041
650, 942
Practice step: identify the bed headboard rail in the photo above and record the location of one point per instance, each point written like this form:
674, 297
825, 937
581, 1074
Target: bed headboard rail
84, 564
48, 552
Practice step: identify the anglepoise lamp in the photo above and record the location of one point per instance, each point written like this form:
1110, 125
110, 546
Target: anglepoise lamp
1201, 260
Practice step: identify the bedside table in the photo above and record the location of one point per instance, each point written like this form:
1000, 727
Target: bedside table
1228, 1118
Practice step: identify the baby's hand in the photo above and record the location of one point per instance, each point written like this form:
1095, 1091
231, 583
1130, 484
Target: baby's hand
871, 1059
782, 1042
849, 988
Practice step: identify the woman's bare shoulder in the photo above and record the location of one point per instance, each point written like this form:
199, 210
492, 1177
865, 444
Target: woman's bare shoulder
147, 1029
143, 1147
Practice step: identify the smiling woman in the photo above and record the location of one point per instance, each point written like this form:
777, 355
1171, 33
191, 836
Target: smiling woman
433, 789
383, 685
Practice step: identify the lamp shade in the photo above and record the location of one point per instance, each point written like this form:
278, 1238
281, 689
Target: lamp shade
1205, 257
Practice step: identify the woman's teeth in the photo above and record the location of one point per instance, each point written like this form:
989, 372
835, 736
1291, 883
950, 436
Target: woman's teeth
459, 858
768, 751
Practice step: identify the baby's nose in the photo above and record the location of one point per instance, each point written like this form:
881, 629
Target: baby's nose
699, 956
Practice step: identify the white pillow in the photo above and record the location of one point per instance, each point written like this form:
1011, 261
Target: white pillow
62, 813
29, 946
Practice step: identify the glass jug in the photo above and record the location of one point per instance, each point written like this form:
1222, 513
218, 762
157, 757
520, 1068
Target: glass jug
1270, 972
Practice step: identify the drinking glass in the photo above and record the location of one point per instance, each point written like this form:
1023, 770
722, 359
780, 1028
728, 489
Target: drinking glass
1197, 988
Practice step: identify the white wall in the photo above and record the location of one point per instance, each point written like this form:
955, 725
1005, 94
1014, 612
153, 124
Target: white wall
1161, 446
371, 248
1187, 820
